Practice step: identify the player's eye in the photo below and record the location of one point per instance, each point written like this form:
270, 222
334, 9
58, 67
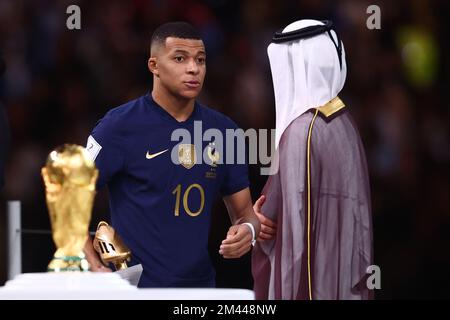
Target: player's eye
201, 60
179, 58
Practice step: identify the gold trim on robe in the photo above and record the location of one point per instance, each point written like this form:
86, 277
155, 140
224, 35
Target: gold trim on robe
328, 109
331, 107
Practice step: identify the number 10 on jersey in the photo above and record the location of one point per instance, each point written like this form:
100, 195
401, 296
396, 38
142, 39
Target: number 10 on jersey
178, 192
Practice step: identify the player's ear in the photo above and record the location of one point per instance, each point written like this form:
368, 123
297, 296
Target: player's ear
153, 66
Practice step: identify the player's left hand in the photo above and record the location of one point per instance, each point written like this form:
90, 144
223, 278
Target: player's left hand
237, 243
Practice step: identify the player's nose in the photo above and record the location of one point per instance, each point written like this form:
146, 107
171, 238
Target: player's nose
192, 67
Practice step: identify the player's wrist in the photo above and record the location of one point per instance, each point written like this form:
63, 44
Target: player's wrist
252, 229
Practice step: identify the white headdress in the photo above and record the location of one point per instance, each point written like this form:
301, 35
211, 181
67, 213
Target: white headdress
307, 61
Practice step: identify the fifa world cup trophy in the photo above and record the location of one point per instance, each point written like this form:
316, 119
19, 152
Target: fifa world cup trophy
69, 176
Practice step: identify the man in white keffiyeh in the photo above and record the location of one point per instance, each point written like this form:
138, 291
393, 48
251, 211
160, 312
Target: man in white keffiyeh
316, 229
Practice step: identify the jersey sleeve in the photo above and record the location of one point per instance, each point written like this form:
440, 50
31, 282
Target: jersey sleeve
106, 149
236, 174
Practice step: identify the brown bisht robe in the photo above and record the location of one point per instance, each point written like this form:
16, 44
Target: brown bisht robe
339, 219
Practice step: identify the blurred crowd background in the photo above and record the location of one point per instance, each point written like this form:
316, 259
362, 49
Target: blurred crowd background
59, 82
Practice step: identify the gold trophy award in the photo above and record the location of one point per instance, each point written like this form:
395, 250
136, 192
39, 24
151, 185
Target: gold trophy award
69, 176
110, 246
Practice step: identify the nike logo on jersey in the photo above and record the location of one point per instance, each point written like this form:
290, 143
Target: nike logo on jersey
151, 156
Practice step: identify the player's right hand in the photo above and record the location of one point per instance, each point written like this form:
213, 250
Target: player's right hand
99, 268
268, 227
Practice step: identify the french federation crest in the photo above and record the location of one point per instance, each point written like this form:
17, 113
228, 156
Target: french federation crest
186, 155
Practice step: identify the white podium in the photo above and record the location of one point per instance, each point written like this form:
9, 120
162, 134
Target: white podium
103, 286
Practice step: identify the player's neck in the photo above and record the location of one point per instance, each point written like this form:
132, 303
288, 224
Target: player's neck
179, 108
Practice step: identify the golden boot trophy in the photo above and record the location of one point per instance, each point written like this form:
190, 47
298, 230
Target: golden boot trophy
110, 246
69, 176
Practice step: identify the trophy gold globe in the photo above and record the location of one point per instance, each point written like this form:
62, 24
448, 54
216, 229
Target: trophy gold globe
69, 177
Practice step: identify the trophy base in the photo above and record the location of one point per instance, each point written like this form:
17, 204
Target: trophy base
68, 263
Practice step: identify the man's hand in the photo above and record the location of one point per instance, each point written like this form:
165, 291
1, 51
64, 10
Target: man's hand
268, 227
99, 268
95, 264
237, 243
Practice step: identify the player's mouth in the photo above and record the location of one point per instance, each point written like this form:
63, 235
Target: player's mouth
192, 84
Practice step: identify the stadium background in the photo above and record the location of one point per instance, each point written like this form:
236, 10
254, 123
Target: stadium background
59, 82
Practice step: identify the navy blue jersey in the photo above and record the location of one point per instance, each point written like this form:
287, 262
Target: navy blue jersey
162, 208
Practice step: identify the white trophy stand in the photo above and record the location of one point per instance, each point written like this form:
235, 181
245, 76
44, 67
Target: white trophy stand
103, 286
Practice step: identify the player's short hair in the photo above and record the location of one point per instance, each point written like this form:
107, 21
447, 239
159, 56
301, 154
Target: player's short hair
177, 29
